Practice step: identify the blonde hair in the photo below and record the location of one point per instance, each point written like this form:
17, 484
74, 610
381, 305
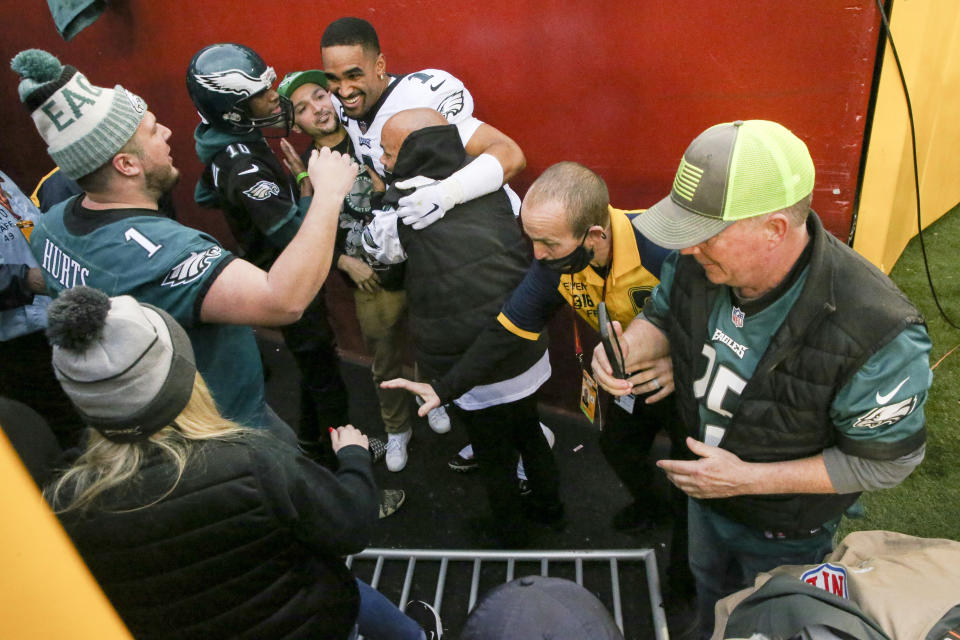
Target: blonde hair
106, 464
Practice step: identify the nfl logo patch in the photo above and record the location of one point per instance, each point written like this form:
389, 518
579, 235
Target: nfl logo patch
829, 577
738, 317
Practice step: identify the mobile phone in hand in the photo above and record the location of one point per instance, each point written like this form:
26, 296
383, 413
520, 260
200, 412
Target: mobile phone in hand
611, 345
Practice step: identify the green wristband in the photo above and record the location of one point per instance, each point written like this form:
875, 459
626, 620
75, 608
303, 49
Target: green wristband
301, 176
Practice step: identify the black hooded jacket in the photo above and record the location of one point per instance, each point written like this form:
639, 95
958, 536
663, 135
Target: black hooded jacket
462, 267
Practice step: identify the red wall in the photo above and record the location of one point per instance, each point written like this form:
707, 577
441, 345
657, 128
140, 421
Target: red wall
621, 87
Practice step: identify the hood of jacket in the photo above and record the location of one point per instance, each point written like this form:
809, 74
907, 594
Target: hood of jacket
208, 142
434, 152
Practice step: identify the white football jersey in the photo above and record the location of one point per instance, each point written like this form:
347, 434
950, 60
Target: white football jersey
430, 88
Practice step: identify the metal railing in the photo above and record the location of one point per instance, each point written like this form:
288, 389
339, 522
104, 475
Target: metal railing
618, 560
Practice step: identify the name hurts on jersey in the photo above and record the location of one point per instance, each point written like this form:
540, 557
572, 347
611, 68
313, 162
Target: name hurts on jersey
62, 267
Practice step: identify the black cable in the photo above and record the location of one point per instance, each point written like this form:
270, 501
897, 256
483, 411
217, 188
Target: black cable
916, 172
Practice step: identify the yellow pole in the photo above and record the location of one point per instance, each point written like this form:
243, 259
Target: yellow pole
46, 590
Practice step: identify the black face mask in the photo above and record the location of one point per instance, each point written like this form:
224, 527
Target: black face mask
574, 262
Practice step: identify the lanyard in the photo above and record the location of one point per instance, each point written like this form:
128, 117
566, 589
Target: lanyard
577, 345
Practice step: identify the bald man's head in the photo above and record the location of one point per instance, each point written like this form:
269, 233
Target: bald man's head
401, 125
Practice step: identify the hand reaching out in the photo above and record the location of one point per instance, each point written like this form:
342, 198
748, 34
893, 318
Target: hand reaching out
430, 398
291, 160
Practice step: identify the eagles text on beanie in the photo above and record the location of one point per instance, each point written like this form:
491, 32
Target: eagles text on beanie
83, 125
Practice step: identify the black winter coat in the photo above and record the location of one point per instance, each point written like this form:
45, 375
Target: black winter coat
461, 268
248, 545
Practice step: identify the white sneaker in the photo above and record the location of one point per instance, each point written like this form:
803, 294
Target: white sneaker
439, 420
397, 450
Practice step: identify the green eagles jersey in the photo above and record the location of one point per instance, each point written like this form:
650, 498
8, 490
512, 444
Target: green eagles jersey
882, 402
160, 262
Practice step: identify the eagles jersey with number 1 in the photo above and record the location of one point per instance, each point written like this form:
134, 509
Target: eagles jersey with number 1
431, 88
158, 261
882, 402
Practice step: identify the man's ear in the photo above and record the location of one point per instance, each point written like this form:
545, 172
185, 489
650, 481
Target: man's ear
381, 65
127, 164
776, 227
598, 232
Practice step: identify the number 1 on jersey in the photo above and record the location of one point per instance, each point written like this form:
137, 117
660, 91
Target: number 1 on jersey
142, 240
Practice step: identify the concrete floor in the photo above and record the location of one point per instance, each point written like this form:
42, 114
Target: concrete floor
440, 503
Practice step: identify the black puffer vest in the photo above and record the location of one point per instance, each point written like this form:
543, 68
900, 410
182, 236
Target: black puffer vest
461, 268
847, 310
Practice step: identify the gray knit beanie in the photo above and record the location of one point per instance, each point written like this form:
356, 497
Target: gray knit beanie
127, 367
84, 126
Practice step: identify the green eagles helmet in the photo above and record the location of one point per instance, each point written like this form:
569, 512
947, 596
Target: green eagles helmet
221, 78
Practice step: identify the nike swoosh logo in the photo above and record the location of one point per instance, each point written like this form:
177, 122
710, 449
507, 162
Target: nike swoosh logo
436, 206
252, 169
434, 87
885, 399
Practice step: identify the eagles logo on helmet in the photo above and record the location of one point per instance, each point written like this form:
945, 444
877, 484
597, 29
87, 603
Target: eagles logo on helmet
221, 79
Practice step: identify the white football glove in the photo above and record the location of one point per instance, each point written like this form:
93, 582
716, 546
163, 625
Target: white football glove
430, 200
380, 239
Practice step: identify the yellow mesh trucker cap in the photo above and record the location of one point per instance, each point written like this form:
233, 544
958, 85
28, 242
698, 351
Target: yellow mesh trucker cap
730, 172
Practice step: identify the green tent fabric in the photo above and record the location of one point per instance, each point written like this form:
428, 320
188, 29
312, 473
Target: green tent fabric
73, 16
948, 628
785, 606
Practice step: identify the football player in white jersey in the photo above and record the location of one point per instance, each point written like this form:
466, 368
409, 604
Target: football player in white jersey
366, 96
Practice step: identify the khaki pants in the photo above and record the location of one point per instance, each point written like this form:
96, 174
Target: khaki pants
380, 315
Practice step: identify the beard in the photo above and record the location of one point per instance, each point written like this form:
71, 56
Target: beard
161, 181
331, 126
